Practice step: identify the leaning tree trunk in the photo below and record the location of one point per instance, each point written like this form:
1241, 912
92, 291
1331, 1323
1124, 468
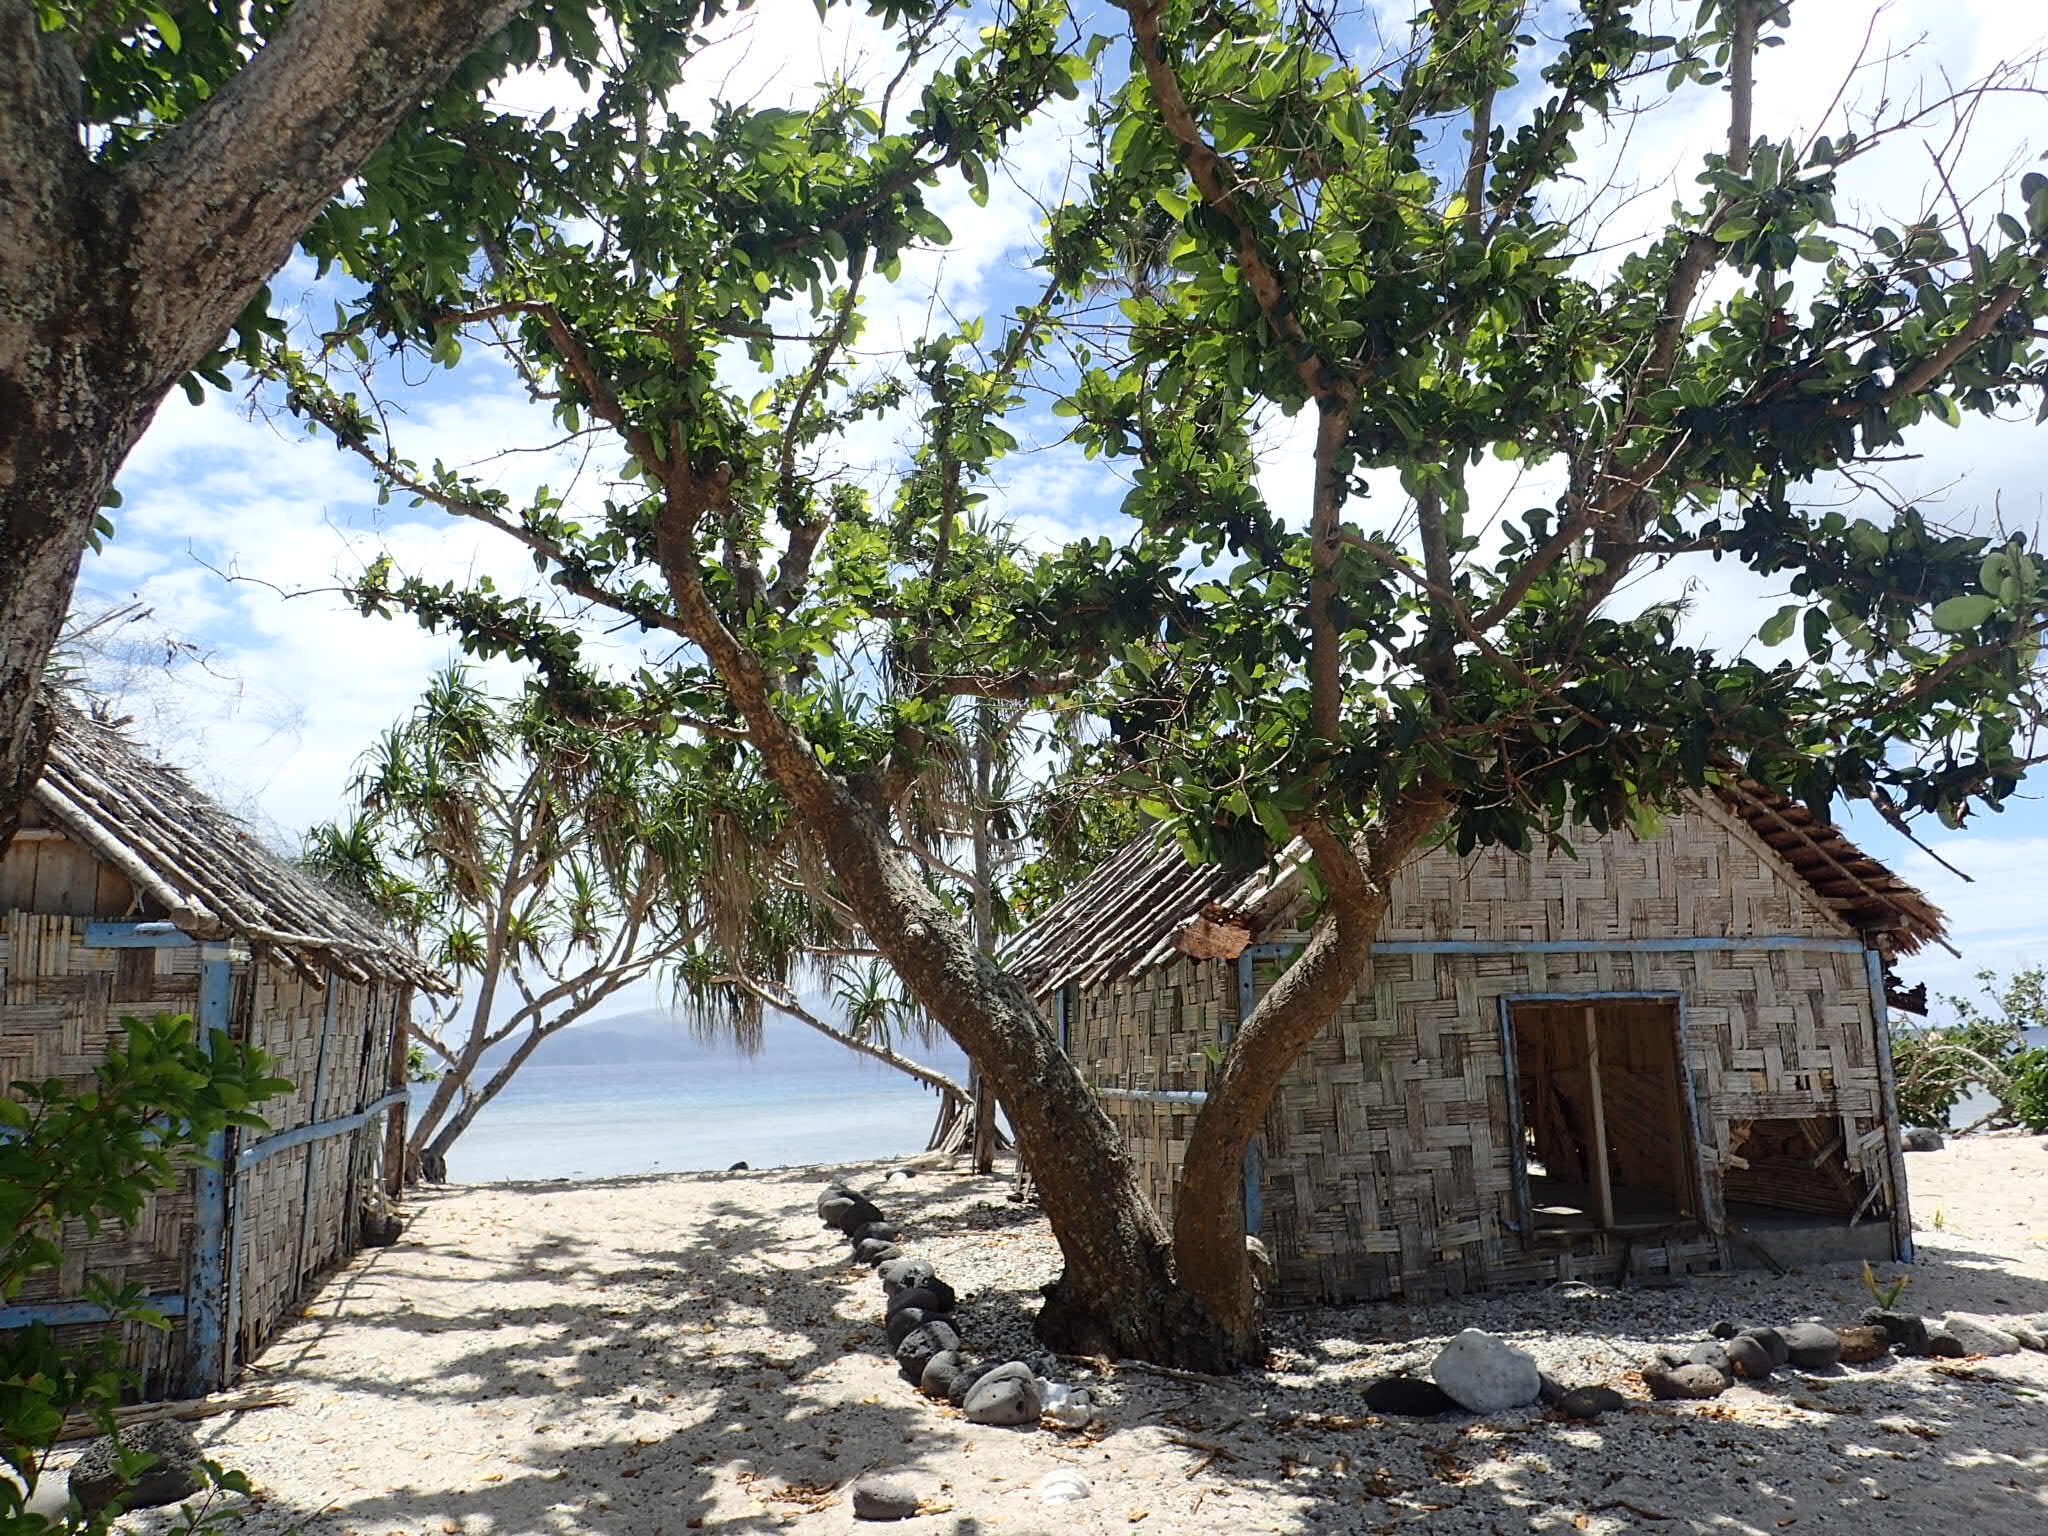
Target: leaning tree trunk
1120, 1294
115, 280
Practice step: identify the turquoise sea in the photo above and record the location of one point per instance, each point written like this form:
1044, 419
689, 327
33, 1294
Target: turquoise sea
647, 1099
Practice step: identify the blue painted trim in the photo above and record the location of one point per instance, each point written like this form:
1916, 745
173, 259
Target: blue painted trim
207, 1291
283, 1141
1267, 952
137, 936
62, 1314
1155, 1095
1881, 1015
1254, 1151
1612, 946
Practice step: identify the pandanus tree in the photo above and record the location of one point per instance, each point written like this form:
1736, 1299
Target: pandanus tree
1385, 246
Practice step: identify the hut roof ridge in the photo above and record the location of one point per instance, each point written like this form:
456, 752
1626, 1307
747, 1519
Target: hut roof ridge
209, 872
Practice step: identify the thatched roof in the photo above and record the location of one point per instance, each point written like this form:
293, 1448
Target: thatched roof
1146, 905
200, 867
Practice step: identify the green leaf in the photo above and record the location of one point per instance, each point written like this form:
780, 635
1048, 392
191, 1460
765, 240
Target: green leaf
1777, 629
1961, 614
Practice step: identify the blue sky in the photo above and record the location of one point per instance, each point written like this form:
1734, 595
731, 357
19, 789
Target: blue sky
226, 512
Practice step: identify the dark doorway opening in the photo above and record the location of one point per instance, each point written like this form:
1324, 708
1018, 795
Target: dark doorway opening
1607, 1143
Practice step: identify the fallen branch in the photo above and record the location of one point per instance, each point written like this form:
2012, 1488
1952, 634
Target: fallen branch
84, 1426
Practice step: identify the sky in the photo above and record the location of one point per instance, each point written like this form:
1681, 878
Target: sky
236, 530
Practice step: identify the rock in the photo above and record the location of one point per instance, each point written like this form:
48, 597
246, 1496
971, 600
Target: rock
1748, 1358
1942, 1344
872, 1251
833, 1191
1712, 1354
1979, 1335
964, 1380
899, 1176
1685, 1382
1774, 1345
2027, 1334
1590, 1402
848, 1211
939, 1372
96, 1479
1863, 1343
1409, 1397
1905, 1331
906, 1319
1811, 1347
999, 1398
885, 1230
934, 1296
1724, 1330
739, 1167
1486, 1374
883, 1498
380, 1229
914, 1352
1921, 1138
900, 1274
1549, 1390
1265, 1274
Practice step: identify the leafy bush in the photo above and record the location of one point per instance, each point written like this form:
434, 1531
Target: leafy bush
1984, 1047
95, 1155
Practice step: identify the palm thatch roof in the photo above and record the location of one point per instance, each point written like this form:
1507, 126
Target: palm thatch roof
1146, 904
200, 868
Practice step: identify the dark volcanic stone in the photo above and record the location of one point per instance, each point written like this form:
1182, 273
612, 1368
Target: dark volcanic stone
1944, 1345
739, 1167
1712, 1354
1922, 1139
1409, 1397
1748, 1358
1724, 1330
848, 1211
1549, 1390
933, 1296
1812, 1347
885, 1230
883, 1498
833, 1191
939, 1373
918, 1346
1907, 1331
876, 1250
381, 1228
96, 1476
1590, 1402
904, 1319
1773, 1342
901, 1274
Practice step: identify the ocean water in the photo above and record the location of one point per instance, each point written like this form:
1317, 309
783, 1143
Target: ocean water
802, 1100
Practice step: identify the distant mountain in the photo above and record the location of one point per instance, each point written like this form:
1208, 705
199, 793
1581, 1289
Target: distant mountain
654, 1034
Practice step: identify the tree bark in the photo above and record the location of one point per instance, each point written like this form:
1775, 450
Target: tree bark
1120, 1294
116, 279
1208, 1227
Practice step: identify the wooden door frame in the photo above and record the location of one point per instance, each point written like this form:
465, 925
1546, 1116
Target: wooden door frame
1689, 1105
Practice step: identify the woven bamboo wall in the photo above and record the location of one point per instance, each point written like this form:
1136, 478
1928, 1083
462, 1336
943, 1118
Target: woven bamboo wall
296, 1214
1389, 1155
60, 1007
1150, 1032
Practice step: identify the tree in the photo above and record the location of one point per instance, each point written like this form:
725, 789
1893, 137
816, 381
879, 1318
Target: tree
157, 163
1358, 684
1980, 1046
547, 866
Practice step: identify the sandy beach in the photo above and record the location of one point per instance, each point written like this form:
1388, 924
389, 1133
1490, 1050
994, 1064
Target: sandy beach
653, 1356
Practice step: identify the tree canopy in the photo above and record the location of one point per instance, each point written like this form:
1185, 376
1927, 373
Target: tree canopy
1276, 217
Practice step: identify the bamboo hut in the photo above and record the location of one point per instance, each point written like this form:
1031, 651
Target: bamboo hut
1666, 1054
127, 892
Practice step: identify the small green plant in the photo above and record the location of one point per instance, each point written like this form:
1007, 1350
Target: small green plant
92, 1155
1886, 1293
1940, 1218
1983, 1046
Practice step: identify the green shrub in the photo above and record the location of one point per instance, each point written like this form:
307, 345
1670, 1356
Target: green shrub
94, 1155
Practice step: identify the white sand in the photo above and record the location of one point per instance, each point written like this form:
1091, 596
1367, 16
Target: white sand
693, 1352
